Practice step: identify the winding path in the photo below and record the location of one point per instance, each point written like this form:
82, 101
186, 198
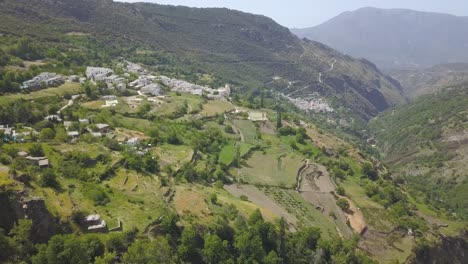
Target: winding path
70, 103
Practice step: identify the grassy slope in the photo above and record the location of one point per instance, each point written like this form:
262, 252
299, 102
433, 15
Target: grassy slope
426, 141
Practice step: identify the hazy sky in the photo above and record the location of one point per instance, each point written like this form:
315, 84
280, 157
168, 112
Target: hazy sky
305, 13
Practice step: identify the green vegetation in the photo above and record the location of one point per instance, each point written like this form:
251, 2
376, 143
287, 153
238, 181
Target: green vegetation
425, 135
160, 165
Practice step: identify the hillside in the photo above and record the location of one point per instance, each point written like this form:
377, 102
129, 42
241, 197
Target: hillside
240, 48
395, 38
141, 133
419, 82
425, 142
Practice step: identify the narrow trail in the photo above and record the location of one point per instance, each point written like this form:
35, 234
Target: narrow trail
70, 103
332, 66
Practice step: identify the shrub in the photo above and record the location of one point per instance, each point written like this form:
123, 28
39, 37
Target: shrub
340, 191
343, 204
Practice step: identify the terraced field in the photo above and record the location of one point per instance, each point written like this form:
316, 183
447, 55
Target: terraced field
247, 130
307, 215
272, 169
215, 107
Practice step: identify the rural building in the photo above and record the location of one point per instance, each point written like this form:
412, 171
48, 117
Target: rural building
84, 121
74, 134
94, 223
22, 154
257, 116
53, 118
39, 161
103, 128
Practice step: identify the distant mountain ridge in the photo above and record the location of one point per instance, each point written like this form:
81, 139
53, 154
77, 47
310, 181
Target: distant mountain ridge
245, 49
395, 38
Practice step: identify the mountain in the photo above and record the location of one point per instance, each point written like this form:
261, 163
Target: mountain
242, 49
430, 80
395, 38
426, 143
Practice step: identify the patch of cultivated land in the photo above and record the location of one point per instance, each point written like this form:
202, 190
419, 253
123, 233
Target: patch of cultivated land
307, 215
68, 87
248, 130
173, 154
315, 187
273, 169
257, 197
216, 107
189, 201
228, 153
135, 199
377, 244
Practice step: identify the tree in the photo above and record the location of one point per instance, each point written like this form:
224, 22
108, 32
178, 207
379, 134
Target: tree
94, 247
215, 251
340, 191
7, 247
250, 247
62, 249
154, 252
279, 121
271, 258
189, 242
282, 239
21, 234
343, 204
213, 198
36, 150
48, 179
369, 171
256, 217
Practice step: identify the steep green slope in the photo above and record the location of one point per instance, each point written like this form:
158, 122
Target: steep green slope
420, 82
241, 48
426, 142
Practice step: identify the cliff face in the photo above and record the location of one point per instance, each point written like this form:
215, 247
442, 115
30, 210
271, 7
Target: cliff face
16, 205
446, 250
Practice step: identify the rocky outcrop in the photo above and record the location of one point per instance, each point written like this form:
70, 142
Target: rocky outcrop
17, 205
445, 250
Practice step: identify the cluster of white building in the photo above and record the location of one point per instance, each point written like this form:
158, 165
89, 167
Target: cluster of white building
106, 75
43, 80
312, 104
186, 87
147, 84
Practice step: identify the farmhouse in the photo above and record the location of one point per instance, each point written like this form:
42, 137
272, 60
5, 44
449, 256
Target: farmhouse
22, 154
103, 128
73, 134
257, 116
84, 121
39, 161
94, 223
